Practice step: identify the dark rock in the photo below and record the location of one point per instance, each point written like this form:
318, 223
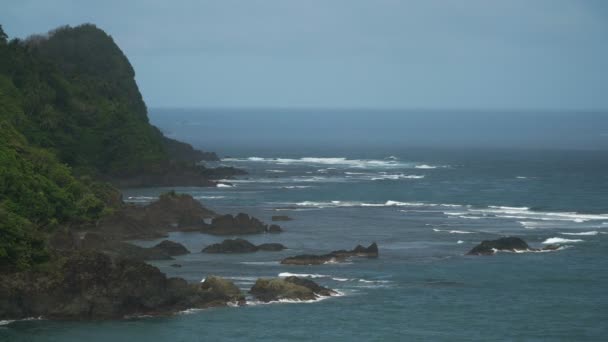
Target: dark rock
241, 246
223, 290
172, 212
172, 248
281, 218
119, 249
553, 247
91, 285
274, 229
237, 225
291, 288
231, 246
335, 256
272, 247
489, 247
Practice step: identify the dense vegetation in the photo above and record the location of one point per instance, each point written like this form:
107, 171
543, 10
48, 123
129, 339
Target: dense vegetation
70, 112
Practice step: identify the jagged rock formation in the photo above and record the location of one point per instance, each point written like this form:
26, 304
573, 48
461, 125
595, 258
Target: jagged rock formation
237, 225
241, 246
335, 256
91, 285
290, 288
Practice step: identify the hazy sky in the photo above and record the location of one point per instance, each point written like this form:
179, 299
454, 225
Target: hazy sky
525, 54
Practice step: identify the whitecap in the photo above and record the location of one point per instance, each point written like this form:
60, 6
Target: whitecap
556, 240
453, 231
425, 166
302, 275
459, 241
260, 263
275, 171
222, 185
591, 233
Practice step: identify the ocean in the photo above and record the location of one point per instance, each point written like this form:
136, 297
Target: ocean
426, 197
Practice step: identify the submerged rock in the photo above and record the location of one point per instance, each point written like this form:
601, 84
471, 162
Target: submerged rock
290, 288
91, 285
237, 225
489, 247
241, 246
335, 256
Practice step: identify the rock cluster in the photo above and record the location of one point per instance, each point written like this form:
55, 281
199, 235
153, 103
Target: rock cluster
237, 225
91, 285
290, 288
506, 244
241, 246
335, 256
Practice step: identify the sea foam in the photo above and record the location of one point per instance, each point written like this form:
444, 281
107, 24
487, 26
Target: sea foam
555, 240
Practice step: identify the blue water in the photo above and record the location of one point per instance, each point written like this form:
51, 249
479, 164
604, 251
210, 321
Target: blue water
425, 207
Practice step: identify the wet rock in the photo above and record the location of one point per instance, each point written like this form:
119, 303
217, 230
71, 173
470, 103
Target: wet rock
91, 285
290, 288
237, 225
172, 248
241, 246
489, 247
335, 256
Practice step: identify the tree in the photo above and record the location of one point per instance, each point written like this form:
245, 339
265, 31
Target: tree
3, 36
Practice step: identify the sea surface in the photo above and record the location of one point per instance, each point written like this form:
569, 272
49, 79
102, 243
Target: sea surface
424, 206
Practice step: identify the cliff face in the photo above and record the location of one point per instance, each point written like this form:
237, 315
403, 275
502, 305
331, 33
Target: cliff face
80, 99
71, 115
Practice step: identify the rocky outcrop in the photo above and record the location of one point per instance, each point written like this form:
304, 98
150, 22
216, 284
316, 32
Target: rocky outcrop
508, 244
238, 225
335, 256
290, 288
171, 248
91, 285
489, 247
120, 249
281, 218
172, 212
241, 246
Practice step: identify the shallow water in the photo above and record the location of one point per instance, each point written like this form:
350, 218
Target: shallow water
422, 287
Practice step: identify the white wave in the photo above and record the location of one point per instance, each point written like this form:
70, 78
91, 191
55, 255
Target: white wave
555, 240
591, 233
222, 185
296, 187
459, 241
275, 171
529, 224
339, 161
392, 158
302, 275
521, 177
296, 301
453, 231
425, 166
397, 177
508, 208
208, 197
524, 213
9, 321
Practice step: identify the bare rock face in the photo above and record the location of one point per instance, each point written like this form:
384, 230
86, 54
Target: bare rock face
172, 212
91, 285
241, 246
172, 248
335, 256
489, 247
238, 225
290, 288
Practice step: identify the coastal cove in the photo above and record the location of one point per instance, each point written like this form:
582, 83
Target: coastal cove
422, 268
123, 223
